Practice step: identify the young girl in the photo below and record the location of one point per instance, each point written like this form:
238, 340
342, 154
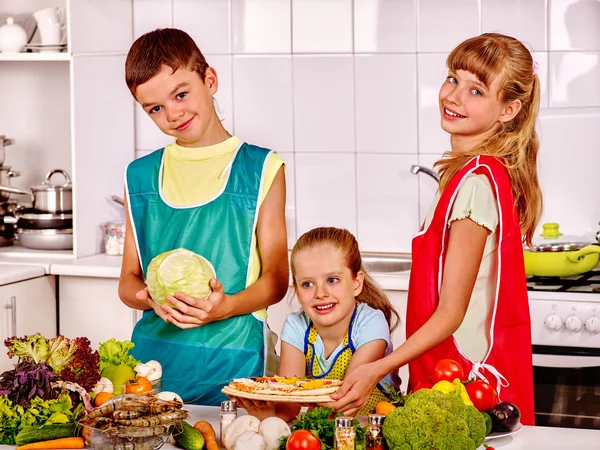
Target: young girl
212, 194
345, 319
467, 297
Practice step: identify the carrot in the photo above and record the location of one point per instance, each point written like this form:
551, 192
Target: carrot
210, 438
68, 442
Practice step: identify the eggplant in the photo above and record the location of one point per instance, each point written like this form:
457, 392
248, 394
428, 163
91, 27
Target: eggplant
505, 416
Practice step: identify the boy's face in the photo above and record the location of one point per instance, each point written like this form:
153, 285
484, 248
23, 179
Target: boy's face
181, 105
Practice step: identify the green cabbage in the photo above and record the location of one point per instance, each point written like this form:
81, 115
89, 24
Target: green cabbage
179, 271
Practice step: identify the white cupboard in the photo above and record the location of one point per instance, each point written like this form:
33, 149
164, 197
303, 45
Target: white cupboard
91, 307
27, 307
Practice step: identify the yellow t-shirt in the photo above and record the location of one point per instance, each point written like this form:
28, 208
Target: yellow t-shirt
195, 175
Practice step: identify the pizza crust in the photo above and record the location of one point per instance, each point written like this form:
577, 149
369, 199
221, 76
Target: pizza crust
310, 396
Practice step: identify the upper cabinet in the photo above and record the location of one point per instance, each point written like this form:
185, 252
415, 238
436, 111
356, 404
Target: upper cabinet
71, 110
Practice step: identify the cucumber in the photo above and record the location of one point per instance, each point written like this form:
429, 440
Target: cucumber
45, 433
187, 437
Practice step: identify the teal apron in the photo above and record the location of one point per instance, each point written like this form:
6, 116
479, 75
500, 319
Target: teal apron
198, 362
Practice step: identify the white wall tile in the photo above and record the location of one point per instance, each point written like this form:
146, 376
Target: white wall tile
208, 22
523, 19
323, 103
387, 26
432, 72
574, 79
442, 25
263, 100
290, 202
100, 27
322, 26
224, 96
568, 168
261, 26
325, 191
574, 25
388, 202
542, 59
386, 99
149, 15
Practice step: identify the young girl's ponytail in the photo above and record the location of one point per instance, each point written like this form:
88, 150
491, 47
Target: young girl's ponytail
345, 241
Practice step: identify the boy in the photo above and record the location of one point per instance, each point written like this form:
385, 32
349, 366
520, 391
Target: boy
216, 196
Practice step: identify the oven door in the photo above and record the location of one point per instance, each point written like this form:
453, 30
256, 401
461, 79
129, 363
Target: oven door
566, 386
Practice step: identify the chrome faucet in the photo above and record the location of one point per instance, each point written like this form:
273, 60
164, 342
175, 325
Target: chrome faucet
432, 173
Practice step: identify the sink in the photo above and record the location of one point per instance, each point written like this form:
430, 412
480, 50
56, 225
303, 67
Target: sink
386, 262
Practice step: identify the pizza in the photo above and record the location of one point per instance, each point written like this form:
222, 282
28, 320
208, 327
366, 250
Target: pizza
282, 388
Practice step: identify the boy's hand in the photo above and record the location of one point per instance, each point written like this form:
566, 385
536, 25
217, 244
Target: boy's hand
257, 408
192, 312
145, 295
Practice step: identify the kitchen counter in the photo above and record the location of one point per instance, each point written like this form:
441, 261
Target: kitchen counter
106, 266
10, 273
546, 438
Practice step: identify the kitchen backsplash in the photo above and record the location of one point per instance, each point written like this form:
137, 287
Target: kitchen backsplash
346, 92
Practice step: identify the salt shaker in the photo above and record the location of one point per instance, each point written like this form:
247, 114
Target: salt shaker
374, 432
345, 434
228, 415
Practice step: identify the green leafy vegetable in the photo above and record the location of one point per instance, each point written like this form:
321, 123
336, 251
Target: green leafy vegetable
14, 417
113, 353
319, 422
179, 270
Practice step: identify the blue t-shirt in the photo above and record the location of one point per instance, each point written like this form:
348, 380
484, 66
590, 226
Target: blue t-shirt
369, 325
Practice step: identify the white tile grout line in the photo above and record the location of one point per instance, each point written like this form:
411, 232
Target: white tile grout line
354, 121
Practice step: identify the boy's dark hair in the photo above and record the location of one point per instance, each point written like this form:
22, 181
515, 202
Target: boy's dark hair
162, 47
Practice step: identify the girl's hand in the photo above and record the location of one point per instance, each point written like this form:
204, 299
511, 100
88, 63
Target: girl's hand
355, 390
257, 408
192, 312
145, 295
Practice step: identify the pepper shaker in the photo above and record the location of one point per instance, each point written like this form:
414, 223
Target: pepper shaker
228, 415
345, 434
374, 433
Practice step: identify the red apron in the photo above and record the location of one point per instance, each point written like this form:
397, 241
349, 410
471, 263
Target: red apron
508, 363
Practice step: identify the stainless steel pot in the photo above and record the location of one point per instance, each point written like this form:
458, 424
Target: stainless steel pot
48, 197
4, 141
46, 239
6, 173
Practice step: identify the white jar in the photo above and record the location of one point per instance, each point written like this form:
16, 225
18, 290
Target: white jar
12, 37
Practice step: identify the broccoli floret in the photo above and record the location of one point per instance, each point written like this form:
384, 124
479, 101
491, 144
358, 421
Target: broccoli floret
488, 423
476, 424
431, 420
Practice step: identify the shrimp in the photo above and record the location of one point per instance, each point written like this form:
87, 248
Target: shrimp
138, 403
125, 415
159, 419
138, 432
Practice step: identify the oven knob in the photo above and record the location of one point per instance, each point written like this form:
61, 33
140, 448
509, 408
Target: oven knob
592, 324
573, 323
553, 322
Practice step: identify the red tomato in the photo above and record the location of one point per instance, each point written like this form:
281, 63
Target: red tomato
482, 395
303, 440
447, 369
423, 385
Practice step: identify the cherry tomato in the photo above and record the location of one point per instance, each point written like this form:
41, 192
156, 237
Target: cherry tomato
140, 385
303, 440
482, 395
447, 369
423, 385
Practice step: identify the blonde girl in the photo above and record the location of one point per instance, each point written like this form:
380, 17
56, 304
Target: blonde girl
345, 319
467, 296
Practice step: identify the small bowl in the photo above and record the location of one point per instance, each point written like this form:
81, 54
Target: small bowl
127, 438
156, 388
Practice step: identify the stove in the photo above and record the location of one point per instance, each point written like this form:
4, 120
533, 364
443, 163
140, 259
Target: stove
565, 328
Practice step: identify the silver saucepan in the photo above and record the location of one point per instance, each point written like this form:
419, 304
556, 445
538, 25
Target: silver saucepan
48, 197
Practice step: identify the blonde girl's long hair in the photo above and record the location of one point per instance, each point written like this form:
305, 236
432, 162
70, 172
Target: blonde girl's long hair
514, 142
344, 241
